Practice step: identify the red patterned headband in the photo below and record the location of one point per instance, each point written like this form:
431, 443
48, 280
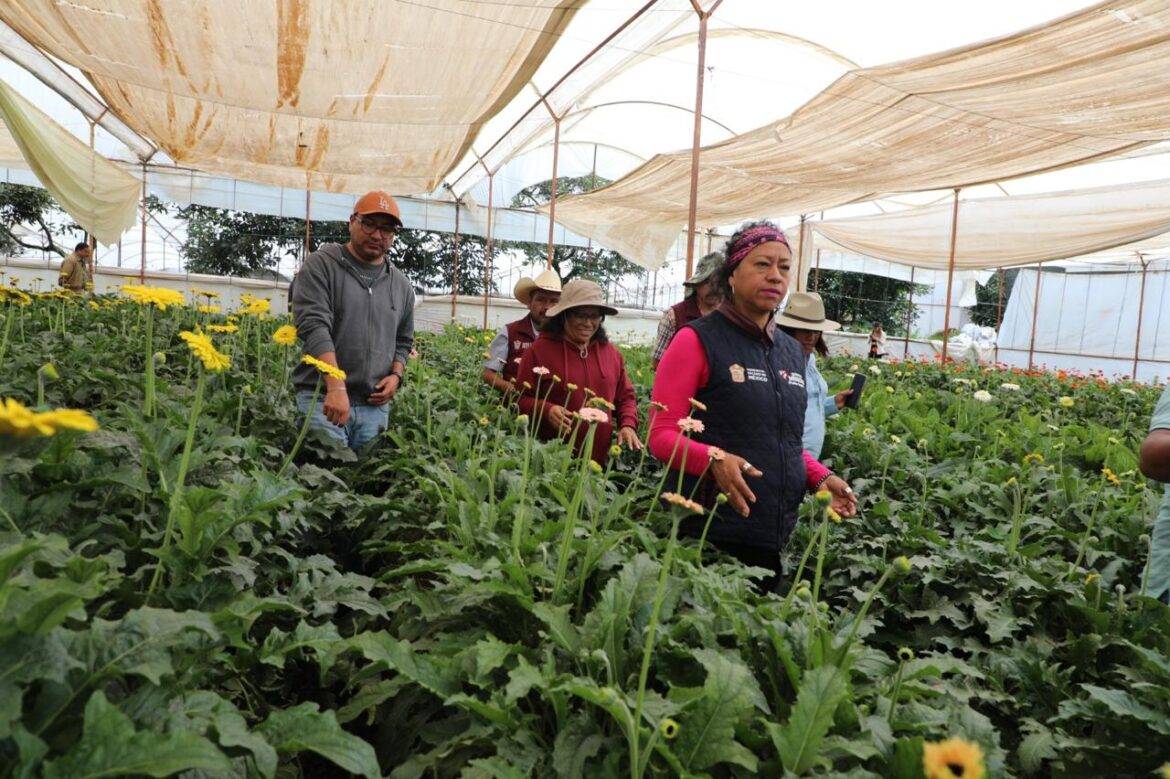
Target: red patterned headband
750, 239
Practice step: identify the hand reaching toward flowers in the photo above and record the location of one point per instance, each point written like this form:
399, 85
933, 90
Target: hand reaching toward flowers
729, 472
844, 501
628, 437
559, 417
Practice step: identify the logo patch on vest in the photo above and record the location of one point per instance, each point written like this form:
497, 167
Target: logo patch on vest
737, 373
795, 379
757, 374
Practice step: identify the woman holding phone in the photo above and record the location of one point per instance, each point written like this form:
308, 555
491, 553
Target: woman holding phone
740, 379
804, 319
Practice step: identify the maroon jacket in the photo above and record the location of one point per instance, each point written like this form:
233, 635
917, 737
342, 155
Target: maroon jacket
601, 369
685, 312
521, 334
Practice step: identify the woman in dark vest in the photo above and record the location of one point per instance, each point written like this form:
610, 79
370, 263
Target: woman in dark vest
746, 377
702, 297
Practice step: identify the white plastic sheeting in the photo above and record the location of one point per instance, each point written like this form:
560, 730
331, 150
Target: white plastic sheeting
1089, 321
1007, 231
99, 195
334, 96
1084, 87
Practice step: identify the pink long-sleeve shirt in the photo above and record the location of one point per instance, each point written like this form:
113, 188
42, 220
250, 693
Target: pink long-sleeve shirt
681, 374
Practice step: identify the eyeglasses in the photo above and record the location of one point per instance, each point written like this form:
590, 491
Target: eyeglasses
592, 316
372, 226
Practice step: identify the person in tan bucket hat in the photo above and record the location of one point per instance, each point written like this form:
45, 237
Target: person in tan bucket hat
513, 339
804, 319
573, 366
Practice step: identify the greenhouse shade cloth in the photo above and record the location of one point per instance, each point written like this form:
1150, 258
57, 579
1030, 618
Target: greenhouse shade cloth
341, 97
100, 196
1087, 86
1007, 231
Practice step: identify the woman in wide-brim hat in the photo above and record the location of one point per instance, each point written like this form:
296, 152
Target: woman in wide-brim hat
804, 319
744, 378
571, 365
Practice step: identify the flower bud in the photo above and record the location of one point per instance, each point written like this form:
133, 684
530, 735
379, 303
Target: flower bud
615, 451
902, 565
721, 498
824, 497
160, 358
522, 419
905, 654
49, 371
668, 728
1143, 539
594, 466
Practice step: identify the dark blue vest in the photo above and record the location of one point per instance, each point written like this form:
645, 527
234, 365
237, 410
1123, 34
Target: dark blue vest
755, 398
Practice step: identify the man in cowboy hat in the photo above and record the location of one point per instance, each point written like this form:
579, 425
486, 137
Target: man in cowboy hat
353, 309
804, 319
702, 297
513, 339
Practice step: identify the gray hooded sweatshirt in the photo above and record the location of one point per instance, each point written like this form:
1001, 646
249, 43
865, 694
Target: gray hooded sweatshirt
368, 326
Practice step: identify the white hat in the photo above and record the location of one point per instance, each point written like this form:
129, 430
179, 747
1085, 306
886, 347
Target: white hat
580, 293
806, 311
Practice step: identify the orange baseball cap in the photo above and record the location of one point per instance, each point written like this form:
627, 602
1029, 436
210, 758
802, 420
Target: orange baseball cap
378, 202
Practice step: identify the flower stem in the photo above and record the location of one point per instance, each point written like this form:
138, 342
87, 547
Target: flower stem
148, 394
177, 492
574, 511
652, 627
896, 690
304, 428
824, 534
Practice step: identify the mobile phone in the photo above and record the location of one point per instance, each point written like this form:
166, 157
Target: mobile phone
858, 386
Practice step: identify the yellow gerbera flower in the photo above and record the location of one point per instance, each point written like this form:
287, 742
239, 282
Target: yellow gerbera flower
285, 335
324, 367
222, 328
213, 359
954, 758
254, 305
160, 297
1065, 401
16, 419
208, 309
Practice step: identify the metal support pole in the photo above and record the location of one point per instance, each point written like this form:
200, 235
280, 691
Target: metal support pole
697, 141
455, 273
1035, 312
308, 226
950, 276
817, 273
799, 258
999, 310
552, 198
909, 313
1137, 341
487, 265
142, 247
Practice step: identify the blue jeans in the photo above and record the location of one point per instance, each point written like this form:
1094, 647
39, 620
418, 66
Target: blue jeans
364, 425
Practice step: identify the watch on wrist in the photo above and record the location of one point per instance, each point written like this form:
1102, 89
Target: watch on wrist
401, 377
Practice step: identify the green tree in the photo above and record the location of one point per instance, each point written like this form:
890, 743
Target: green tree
34, 209
986, 311
601, 265
239, 243
858, 300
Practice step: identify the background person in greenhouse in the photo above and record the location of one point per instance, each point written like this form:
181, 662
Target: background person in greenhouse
573, 366
702, 297
742, 381
354, 310
513, 339
75, 271
1155, 463
804, 319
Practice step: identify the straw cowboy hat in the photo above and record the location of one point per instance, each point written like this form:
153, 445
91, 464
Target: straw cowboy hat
548, 280
578, 293
806, 311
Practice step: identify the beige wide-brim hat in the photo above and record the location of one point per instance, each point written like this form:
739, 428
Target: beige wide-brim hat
579, 293
548, 280
806, 311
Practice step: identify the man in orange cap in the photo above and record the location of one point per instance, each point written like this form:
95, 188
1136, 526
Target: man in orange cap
355, 310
